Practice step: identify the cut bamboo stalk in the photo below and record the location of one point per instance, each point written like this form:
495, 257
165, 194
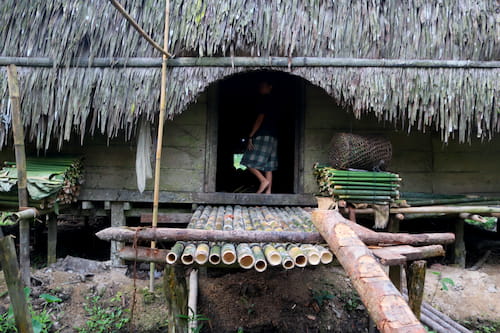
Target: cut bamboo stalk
384, 302
187, 257
159, 146
193, 300
325, 255
260, 263
201, 254
215, 255
297, 255
245, 256
175, 252
312, 254
272, 255
18, 131
8, 261
286, 261
228, 253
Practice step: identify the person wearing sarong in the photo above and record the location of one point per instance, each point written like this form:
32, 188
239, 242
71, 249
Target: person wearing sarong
261, 156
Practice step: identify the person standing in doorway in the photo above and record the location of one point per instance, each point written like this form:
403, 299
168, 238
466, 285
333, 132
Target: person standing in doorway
261, 156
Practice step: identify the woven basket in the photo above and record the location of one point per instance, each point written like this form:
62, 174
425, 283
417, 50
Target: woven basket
349, 150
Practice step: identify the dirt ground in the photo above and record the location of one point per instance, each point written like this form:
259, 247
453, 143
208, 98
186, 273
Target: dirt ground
317, 299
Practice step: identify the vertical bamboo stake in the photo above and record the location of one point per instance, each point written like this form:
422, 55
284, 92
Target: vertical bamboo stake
10, 269
161, 121
415, 277
18, 130
51, 239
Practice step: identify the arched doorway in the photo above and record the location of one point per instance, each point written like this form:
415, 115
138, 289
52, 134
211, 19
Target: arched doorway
237, 112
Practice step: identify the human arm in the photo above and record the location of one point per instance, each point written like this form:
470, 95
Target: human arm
255, 128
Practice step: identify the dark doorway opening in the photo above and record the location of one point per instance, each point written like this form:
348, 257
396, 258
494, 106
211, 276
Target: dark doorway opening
237, 98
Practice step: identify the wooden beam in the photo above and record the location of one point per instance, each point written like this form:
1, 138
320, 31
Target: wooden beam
401, 254
117, 220
250, 62
18, 132
212, 128
8, 261
180, 218
243, 236
384, 302
176, 296
415, 280
145, 254
200, 197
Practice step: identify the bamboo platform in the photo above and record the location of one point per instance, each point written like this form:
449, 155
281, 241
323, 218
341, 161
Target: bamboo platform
250, 255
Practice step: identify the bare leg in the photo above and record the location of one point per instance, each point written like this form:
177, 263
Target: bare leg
264, 183
269, 178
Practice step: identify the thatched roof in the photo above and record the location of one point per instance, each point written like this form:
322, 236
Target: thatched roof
59, 101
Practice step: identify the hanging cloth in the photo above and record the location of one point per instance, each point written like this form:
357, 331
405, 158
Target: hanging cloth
143, 168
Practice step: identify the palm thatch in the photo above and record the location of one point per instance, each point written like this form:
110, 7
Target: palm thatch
60, 101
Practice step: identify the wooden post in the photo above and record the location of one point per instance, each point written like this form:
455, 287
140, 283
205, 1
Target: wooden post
384, 302
18, 130
394, 271
8, 260
51, 239
117, 220
415, 280
459, 252
161, 124
176, 294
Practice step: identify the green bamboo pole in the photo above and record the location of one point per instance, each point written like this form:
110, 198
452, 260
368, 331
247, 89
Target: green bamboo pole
367, 192
8, 260
159, 146
18, 131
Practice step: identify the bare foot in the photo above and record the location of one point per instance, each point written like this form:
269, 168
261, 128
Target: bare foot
268, 190
263, 185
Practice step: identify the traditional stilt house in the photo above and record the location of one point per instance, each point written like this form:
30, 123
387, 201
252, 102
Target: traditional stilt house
423, 74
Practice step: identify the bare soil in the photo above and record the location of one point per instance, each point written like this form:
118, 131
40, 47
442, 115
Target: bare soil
317, 299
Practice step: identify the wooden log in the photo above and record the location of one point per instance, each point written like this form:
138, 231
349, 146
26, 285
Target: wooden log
8, 260
400, 254
176, 295
383, 301
180, 218
117, 220
459, 251
415, 280
51, 239
250, 62
242, 236
18, 131
145, 254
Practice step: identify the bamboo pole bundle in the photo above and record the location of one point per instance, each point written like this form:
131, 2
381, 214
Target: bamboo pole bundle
325, 255
268, 223
175, 252
358, 186
188, 254
298, 256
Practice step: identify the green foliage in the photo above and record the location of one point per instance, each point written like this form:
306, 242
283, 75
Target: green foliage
249, 306
428, 330
104, 317
320, 296
351, 301
191, 317
490, 223
444, 281
488, 328
41, 320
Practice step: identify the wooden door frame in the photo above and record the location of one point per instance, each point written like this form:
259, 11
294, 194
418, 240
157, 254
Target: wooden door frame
211, 141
